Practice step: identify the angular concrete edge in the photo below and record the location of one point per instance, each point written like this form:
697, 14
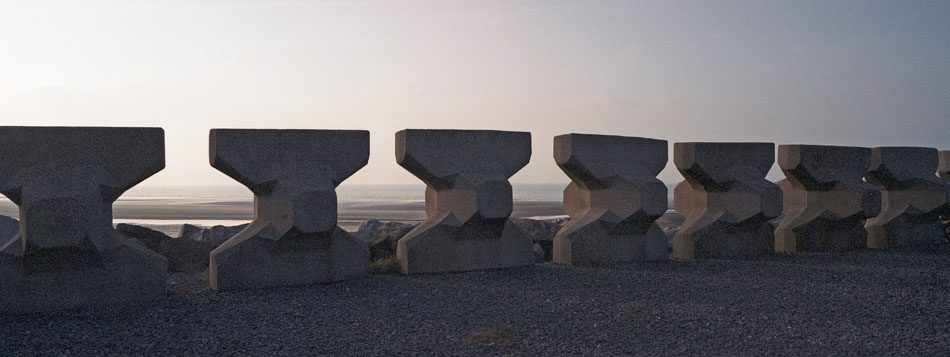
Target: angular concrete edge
912, 196
613, 199
67, 255
943, 166
726, 200
294, 238
468, 200
825, 198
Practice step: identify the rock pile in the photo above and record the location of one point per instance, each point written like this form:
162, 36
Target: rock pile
382, 237
213, 236
183, 255
542, 234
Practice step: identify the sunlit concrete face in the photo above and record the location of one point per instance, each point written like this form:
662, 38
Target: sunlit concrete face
468, 200
825, 198
726, 200
912, 198
294, 238
66, 253
613, 199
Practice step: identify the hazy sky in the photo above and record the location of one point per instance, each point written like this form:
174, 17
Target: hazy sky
849, 73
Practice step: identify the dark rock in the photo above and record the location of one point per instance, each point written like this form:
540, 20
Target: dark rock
383, 242
183, 255
221, 234
537, 230
540, 255
670, 233
775, 221
190, 231
541, 232
8, 228
213, 236
367, 229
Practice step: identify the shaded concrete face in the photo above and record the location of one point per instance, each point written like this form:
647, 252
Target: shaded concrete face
825, 198
294, 238
912, 198
943, 166
613, 199
66, 253
726, 200
468, 199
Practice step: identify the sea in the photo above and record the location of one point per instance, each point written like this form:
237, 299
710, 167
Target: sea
167, 208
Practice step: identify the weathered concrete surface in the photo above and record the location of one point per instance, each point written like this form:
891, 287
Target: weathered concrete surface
613, 199
726, 200
912, 198
66, 253
468, 200
943, 170
943, 166
825, 198
294, 238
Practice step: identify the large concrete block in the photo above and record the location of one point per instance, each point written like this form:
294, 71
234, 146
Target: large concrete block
825, 198
613, 199
66, 253
943, 166
912, 198
726, 200
294, 238
468, 200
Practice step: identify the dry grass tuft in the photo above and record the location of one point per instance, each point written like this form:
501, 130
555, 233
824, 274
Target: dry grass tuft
387, 265
497, 335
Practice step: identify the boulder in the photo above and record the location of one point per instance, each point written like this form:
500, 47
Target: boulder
542, 233
670, 233
538, 230
183, 255
193, 232
213, 236
367, 229
540, 255
383, 241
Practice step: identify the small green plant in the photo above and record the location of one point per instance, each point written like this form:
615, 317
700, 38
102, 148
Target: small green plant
387, 265
497, 335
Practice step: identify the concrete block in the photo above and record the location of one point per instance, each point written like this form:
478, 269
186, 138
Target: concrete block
943, 166
825, 198
468, 200
912, 198
66, 254
613, 199
726, 200
943, 170
294, 238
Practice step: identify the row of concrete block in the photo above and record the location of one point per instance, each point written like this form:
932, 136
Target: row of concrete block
66, 179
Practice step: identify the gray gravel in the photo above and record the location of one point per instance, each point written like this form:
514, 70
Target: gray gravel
855, 303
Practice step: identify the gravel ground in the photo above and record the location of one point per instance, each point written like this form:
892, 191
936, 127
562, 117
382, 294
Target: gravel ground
854, 303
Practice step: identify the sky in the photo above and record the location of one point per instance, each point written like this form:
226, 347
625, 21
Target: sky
862, 73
